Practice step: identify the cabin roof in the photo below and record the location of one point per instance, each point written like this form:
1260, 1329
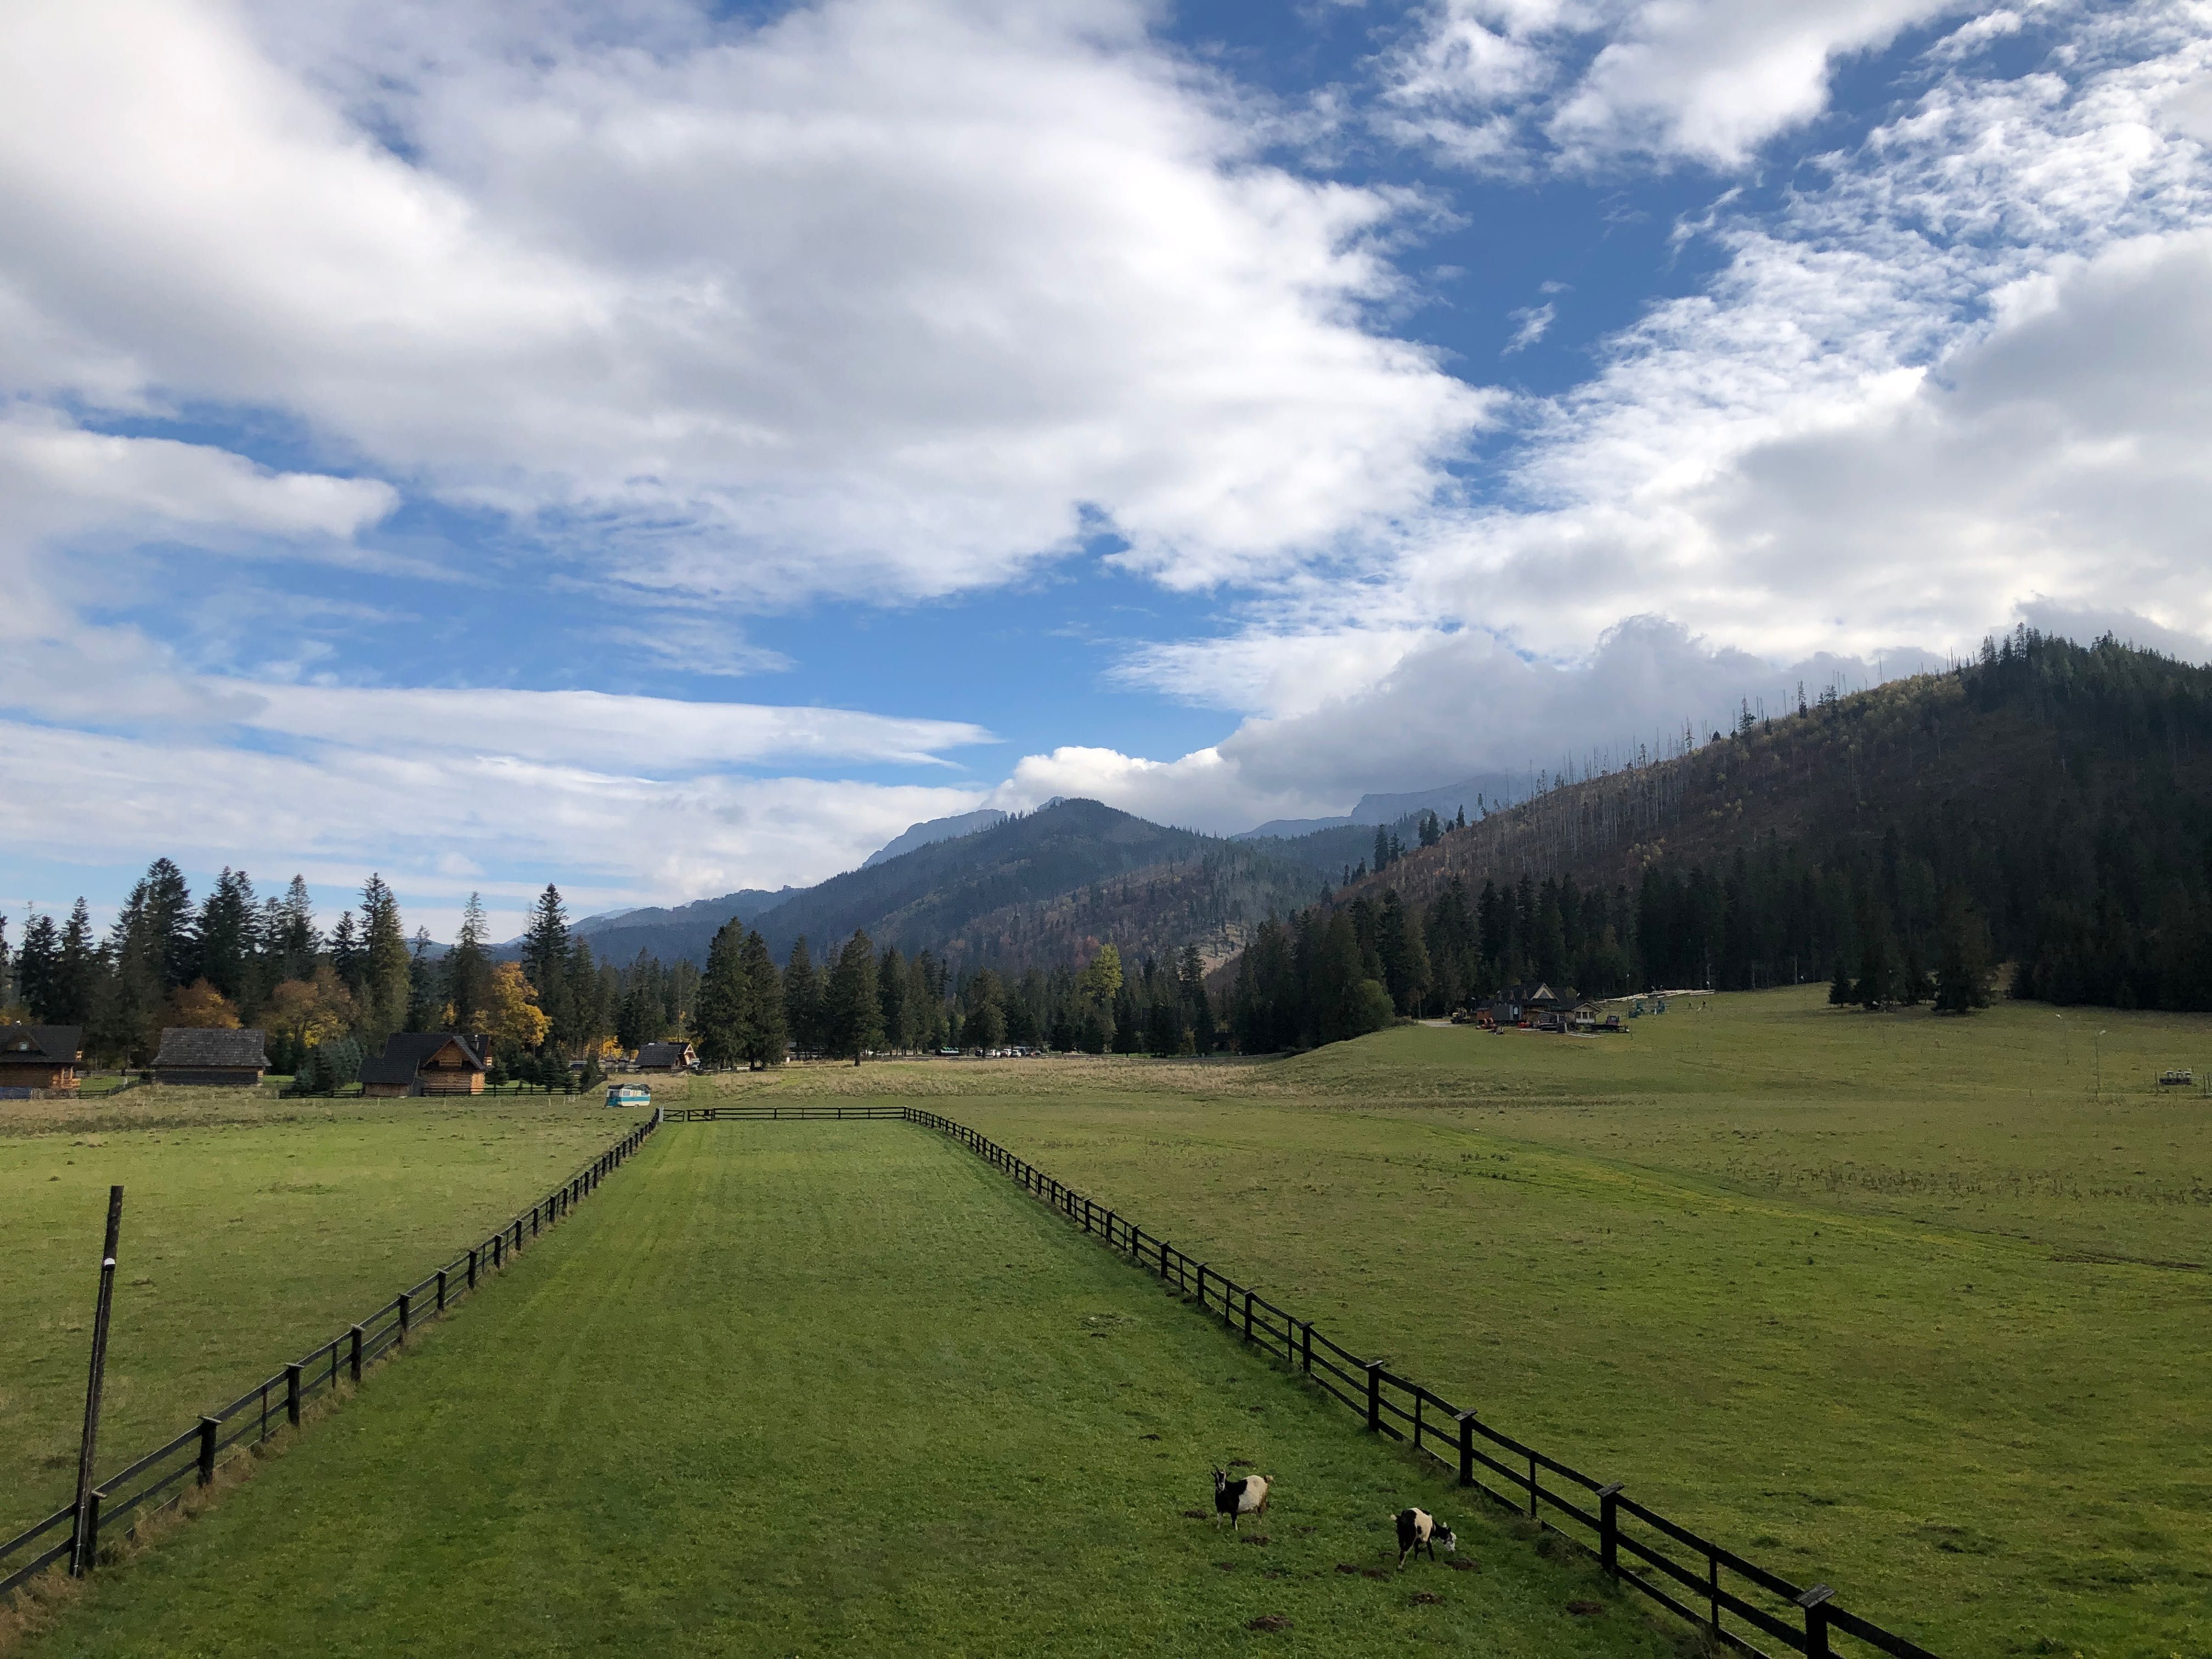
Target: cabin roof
240, 1050
405, 1054
37, 1043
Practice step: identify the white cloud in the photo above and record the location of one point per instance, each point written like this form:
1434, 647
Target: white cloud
1535, 322
878, 299
440, 821
1511, 84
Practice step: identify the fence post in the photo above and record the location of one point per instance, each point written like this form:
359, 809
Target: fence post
1248, 1316
441, 1290
404, 1310
292, 1394
1374, 1396
209, 1428
533, 1221
1163, 1258
1467, 1449
498, 1249
1532, 1486
1608, 1528
1815, 1604
472, 1266
352, 1357
1305, 1348
87, 1541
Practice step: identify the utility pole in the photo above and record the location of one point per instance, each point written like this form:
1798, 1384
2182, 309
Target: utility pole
82, 1541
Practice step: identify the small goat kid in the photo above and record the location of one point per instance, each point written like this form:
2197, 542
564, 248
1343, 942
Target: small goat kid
1238, 1498
1417, 1528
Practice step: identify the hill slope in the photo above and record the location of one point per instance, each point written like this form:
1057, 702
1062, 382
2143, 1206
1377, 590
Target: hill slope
2064, 791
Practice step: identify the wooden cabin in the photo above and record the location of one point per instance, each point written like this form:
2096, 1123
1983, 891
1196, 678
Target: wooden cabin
41, 1056
666, 1057
426, 1063
211, 1056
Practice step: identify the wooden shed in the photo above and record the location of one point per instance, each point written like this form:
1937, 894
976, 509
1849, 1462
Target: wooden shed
210, 1055
41, 1056
426, 1063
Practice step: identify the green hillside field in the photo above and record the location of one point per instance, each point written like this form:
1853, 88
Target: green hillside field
786, 1389
1904, 1304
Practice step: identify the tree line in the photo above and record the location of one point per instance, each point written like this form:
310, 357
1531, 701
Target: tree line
324, 995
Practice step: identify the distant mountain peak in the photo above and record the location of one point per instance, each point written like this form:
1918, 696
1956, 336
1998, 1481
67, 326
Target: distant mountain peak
936, 830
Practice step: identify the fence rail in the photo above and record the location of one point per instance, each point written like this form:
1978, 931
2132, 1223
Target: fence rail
1681, 1570
158, 1478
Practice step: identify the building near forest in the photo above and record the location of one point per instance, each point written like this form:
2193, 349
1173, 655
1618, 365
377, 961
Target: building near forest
218, 1057
41, 1056
667, 1057
426, 1063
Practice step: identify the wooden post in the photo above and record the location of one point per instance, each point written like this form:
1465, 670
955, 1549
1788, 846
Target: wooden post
1467, 1449
292, 1394
441, 1290
533, 1221
1608, 1528
352, 1357
1815, 1604
87, 1525
472, 1266
1163, 1258
498, 1249
404, 1310
208, 1429
1532, 1486
1374, 1396
1305, 1348
1248, 1316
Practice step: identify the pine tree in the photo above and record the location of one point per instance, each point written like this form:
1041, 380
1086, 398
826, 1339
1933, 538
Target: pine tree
155, 928
767, 1037
852, 1004
1839, 992
545, 959
1962, 970
78, 971
802, 998
724, 1006
426, 988
225, 936
468, 970
1404, 958
38, 970
890, 988
384, 963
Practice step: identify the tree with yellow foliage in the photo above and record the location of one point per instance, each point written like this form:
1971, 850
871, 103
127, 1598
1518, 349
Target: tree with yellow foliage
307, 1011
511, 1013
199, 1006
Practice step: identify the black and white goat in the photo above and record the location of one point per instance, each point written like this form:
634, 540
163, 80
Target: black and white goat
1238, 1498
1418, 1529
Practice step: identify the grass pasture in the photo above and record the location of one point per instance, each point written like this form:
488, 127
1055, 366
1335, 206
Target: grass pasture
251, 1229
829, 1388
1901, 1304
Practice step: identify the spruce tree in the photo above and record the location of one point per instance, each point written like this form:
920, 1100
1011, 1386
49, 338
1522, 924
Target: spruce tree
1839, 992
890, 988
38, 970
725, 1004
225, 941
384, 963
78, 973
852, 1004
468, 969
1962, 970
767, 1036
802, 998
545, 959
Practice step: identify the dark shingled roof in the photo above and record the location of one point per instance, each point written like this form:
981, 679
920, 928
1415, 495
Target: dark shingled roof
40, 1042
405, 1051
662, 1054
233, 1050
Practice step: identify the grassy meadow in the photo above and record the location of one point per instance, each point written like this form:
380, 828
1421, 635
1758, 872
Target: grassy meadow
818, 1388
251, 1229
1909, 1305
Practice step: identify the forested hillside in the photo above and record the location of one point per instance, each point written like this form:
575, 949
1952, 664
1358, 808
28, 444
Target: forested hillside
2048, 805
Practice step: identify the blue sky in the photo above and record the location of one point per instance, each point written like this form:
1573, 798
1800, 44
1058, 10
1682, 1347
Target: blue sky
664, 450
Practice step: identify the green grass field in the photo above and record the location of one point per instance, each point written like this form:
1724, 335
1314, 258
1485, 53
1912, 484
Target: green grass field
829, 1388
1901, 1304
251, 1229
1914, 1306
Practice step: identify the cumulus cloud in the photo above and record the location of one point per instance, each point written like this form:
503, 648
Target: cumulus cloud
883, 298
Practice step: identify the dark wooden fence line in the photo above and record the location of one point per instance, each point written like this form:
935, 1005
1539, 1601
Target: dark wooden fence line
157, 1479
1672, 1564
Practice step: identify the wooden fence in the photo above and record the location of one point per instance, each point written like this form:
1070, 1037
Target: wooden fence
1736, 1599
161, 1477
